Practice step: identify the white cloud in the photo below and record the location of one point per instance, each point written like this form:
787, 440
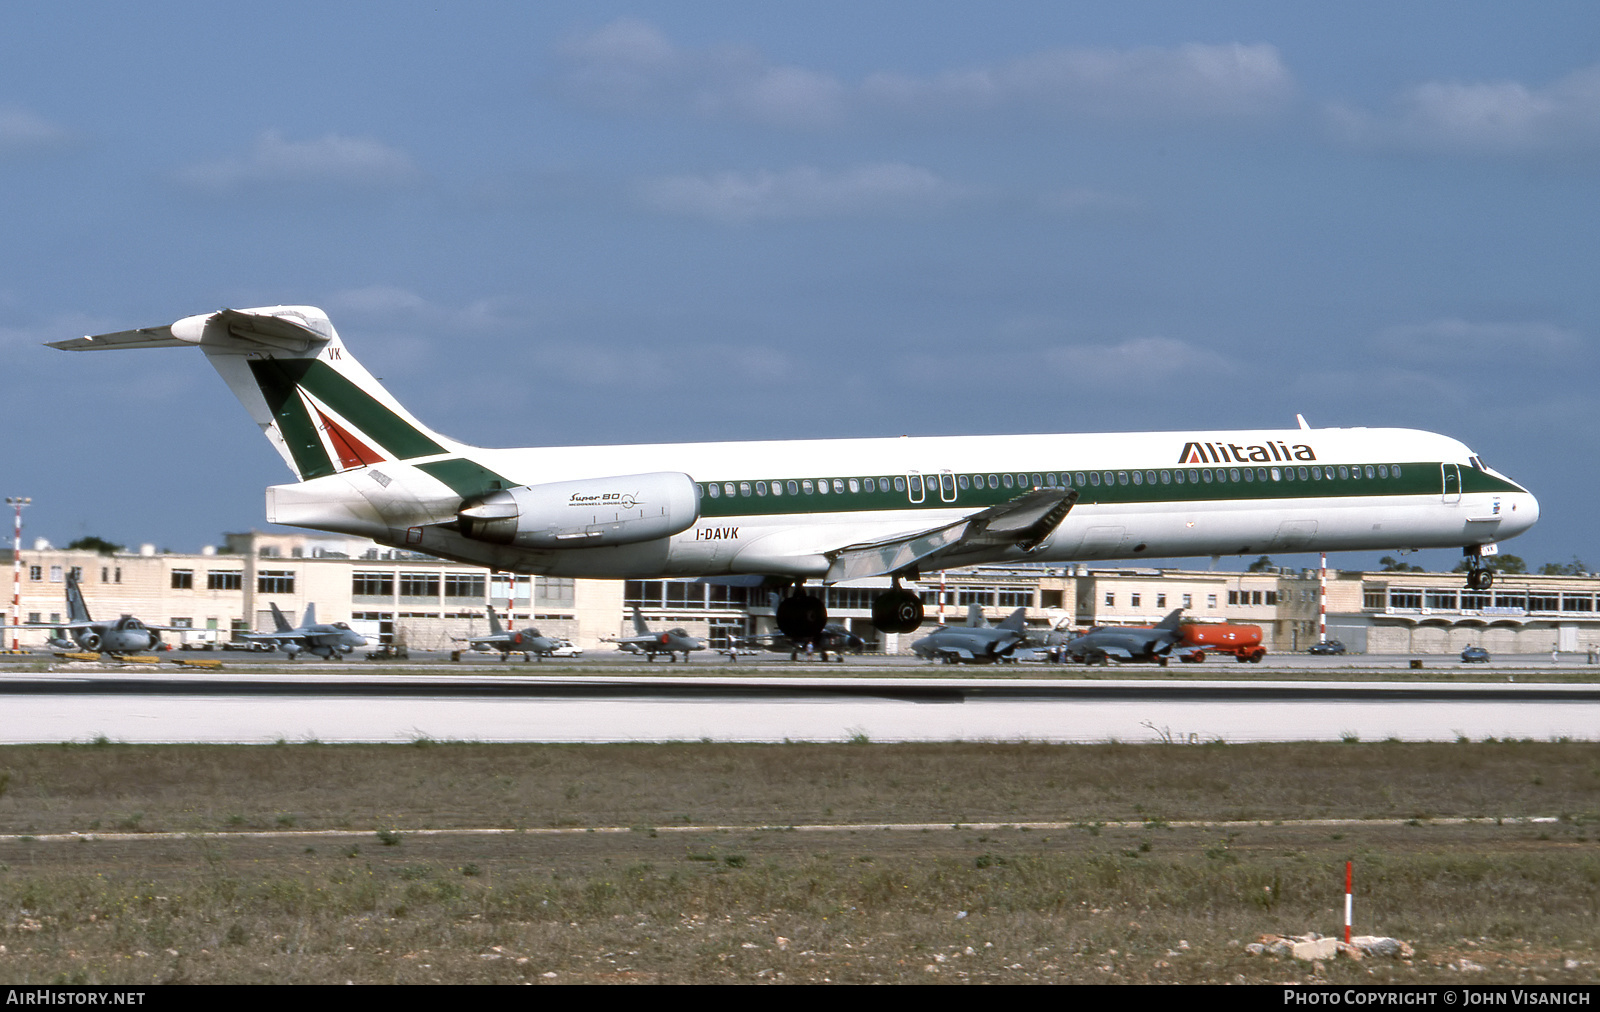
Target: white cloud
1133, 363
1192, 81
1497, 117
803, 192
380, 300
631, 66
332, 160
22, 132
1446, 342
610, 366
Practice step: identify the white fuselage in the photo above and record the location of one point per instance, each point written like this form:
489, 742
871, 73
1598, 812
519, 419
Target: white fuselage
1262, 492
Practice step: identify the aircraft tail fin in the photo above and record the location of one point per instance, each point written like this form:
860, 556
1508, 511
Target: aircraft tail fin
975, 619
77, 610
1017, 621
279, 623
638, 623
311, 617
1172, 621
319, 407
494, 623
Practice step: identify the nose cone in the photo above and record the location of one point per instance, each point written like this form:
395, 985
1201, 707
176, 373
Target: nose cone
1527, 511
1524, 514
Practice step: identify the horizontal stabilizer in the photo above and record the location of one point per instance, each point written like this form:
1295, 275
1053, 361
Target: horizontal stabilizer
147, 337
228, 329
1024, 523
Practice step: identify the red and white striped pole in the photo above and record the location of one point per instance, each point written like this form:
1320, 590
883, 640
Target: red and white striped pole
16, 502
1322, 600
1347, 902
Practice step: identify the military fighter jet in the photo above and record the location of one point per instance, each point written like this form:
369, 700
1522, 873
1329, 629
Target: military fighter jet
834, 638
672, 642
528, 642
327, 641
975, 642
1158, 643
127, 635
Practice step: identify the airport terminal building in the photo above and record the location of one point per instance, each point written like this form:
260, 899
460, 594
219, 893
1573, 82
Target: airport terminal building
426, 602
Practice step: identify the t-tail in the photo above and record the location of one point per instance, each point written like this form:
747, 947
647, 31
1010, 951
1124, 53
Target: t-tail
368, 468
319, 407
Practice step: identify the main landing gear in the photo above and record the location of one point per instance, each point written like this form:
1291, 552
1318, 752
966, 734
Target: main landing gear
1479, 576
802, 616
897, 610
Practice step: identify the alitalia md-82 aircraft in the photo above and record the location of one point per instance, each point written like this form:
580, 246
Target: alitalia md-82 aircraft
825, 510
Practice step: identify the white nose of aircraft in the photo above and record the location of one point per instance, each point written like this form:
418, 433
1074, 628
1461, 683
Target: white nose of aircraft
1523, 512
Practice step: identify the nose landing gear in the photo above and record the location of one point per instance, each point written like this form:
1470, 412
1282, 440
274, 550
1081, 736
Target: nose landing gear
1479, 576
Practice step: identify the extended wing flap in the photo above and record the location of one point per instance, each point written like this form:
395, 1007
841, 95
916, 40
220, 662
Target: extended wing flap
1024, 523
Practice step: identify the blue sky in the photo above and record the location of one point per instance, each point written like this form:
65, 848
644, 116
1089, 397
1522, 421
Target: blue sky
574, 223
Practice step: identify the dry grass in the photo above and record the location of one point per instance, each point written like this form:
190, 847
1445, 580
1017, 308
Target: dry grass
1149, 902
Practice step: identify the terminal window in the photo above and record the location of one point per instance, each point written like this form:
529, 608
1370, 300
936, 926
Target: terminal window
275, 581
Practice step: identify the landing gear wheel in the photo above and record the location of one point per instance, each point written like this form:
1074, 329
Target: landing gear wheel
802, 617
1480, 579
897, 611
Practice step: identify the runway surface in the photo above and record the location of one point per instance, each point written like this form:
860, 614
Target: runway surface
332, 705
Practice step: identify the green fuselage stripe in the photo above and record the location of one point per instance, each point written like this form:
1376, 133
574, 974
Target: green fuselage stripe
1420, 478
466, 478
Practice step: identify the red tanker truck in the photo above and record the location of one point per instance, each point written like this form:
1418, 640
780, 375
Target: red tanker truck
1242, 641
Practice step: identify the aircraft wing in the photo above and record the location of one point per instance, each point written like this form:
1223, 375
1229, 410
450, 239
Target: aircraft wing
1024, 523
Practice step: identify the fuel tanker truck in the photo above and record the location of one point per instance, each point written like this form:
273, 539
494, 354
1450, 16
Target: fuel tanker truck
1242, 641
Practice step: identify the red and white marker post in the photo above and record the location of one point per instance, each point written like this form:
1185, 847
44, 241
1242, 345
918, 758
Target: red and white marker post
1347, 901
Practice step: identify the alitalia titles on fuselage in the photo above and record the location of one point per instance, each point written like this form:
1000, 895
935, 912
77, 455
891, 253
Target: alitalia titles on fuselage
1233, 453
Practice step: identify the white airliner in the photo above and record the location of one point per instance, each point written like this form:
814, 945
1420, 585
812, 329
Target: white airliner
826, 510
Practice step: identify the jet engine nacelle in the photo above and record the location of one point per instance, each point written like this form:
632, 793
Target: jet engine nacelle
590, 513
89, 640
